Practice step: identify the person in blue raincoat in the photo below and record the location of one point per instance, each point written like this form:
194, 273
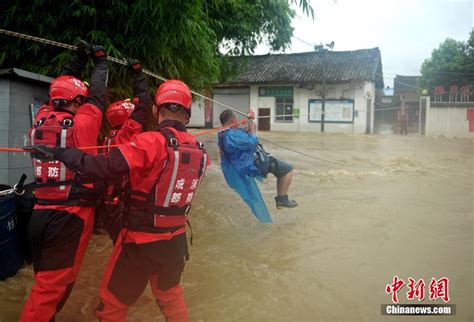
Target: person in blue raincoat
241, 150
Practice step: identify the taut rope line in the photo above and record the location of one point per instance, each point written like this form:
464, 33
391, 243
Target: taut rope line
112, 59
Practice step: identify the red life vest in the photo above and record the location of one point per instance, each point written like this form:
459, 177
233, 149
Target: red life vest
56, 128
166, 207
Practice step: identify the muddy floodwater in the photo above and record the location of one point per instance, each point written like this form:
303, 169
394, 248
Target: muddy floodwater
370, 208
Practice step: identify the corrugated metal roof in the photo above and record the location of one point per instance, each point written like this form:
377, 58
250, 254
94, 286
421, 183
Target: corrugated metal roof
339, 66
26, 74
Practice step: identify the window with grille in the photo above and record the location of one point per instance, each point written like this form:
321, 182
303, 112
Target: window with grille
284, 109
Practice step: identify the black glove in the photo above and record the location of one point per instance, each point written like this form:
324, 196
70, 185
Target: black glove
134, 65
42, 152
83, 49
97, 53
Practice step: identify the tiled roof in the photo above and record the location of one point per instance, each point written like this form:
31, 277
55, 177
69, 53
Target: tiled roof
339, 66
405, 84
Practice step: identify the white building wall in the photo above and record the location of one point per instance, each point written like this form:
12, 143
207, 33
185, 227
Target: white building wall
359, 91
448, 121
197, 113
238, 98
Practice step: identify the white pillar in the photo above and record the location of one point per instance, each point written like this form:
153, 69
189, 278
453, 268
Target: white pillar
427, 113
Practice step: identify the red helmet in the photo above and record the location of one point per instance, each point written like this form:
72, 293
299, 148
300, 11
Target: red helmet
118, 112
67, 88
174, 91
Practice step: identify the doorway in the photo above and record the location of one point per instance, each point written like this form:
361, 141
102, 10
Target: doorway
264, 123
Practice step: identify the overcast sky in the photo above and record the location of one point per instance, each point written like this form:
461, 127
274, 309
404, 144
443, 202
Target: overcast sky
406, 31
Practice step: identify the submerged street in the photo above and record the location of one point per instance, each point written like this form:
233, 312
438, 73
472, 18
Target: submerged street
370, 208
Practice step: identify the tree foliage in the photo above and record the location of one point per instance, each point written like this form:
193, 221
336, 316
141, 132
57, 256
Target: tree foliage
176, 39
450, 64
248, 23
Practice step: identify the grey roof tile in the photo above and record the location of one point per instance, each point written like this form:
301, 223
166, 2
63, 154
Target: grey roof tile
340, 66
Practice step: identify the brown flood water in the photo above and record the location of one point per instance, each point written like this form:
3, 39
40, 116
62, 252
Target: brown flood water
390, 206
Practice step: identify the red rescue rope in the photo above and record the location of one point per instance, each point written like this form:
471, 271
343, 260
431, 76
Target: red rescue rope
244, 121
81, 148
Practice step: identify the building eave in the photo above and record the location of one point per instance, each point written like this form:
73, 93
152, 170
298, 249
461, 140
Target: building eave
25, 74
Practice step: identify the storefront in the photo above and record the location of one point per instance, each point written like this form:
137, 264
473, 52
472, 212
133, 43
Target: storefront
286, 91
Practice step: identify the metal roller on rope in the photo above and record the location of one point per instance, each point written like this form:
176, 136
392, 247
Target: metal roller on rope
112, 59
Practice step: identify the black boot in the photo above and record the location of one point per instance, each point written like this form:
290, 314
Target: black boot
284, 202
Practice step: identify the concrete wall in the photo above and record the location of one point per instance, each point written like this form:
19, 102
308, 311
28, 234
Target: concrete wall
16, 96
448, 120
197, 114
237, 98
360, 92
4, 127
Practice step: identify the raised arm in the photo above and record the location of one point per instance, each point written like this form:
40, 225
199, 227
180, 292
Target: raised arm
78, 64
98, 86
140, 90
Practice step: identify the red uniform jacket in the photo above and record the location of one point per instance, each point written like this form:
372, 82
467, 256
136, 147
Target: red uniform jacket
86, 123
142, 160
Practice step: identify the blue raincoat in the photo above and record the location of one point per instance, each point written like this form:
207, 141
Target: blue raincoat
237, 162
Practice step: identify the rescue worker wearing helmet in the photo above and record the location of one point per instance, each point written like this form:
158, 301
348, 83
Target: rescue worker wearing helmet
62, 220
126, 119
164, 169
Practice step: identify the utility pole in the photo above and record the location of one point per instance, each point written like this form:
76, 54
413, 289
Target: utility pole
323, 95
323, 49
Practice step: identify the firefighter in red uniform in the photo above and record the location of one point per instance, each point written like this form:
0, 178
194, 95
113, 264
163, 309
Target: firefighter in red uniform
126, 119
164, 170
61, 222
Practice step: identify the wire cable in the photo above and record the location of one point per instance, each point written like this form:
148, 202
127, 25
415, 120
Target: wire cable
112, 59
